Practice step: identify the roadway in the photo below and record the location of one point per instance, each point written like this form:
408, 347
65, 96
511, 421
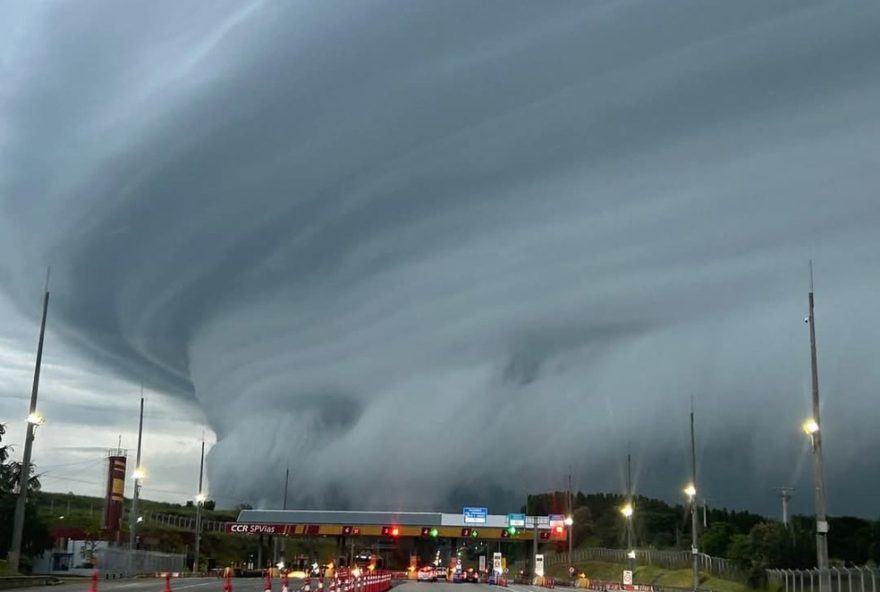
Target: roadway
250, 585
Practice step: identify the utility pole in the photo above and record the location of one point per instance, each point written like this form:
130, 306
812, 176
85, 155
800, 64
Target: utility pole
630, 552
33, 420
813, 428
200, 500
694, 534
785, 495
138, 475
534, 542
569, 522
284, 507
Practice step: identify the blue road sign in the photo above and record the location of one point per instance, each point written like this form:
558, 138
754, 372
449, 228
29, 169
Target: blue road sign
475, 515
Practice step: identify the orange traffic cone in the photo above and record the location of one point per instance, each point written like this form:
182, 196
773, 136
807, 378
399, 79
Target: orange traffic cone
168, 582
227, 583
94, 586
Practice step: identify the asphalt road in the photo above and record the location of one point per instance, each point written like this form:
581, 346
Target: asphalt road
246, 585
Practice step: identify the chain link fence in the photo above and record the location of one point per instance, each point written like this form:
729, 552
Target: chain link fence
843, 579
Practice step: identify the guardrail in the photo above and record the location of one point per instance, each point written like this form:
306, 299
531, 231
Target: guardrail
669, 559
843, 579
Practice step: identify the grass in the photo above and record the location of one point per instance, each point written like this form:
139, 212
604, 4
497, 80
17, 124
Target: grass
649, 574
4, 569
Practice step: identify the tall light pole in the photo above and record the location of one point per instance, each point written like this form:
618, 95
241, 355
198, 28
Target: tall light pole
33, 420
569, 521
691, 491
138, 476
200, 499
812, 428
627, 511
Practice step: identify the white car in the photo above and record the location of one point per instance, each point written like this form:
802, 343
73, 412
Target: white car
426, 574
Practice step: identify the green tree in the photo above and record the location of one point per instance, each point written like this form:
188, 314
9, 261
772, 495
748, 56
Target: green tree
716, 539
35, 535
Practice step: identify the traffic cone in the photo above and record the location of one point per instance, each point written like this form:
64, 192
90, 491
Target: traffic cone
267, 582
94, 586
168, 582
227, 582
284, 582
321, 583
307, 587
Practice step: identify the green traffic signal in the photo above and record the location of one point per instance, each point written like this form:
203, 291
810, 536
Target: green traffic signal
475, 534
511, 530
434, 532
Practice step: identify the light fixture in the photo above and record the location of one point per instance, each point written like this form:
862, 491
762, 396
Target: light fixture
569, 520
139, 473
810, 427
690, 490
200, 498
35, 419
631, 554
627, 510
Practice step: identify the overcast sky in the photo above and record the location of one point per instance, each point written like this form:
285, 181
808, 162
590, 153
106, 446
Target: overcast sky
441, 252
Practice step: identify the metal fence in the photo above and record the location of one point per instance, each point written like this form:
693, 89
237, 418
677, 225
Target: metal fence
717, 566
843, 579
118, 560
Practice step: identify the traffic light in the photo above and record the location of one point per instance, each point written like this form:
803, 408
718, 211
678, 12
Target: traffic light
430, 532
559, 530
475, 533
508, 532
465, 532
390, 531
434, 532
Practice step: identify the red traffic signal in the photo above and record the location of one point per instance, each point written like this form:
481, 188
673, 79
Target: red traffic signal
465, 532
351, 530
390, 531
505, 534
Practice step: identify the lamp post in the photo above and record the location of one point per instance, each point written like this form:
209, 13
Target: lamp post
812, 428
569, 522
627, 512
200, 500
691, 492
33, 420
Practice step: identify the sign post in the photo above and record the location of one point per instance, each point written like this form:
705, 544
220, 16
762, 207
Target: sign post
482, 563
497, 566
627, 577
539, 565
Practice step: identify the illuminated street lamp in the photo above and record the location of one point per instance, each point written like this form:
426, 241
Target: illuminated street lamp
627, 511
690, 491
139, 474
569, 521
35, 419
810, 427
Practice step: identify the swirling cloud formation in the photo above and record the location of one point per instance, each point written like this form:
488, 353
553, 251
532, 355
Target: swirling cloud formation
432, 252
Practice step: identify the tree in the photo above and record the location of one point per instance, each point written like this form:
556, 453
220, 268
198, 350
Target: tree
716, 539
35, 537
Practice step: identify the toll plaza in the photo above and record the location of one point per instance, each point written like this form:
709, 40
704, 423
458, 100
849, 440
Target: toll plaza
349, 527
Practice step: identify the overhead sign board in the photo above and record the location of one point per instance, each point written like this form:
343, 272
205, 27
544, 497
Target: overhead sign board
475, 515
516, 520
280, 529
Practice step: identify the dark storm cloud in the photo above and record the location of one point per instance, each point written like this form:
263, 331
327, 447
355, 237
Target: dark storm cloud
408, 243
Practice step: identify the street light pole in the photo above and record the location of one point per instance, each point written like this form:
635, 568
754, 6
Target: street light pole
629, 525
200, 499
569, 522
693, 499
33, 420
819, 467
138, 475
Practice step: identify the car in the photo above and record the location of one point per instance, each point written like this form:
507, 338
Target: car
441, 574
426, 574
472, 576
